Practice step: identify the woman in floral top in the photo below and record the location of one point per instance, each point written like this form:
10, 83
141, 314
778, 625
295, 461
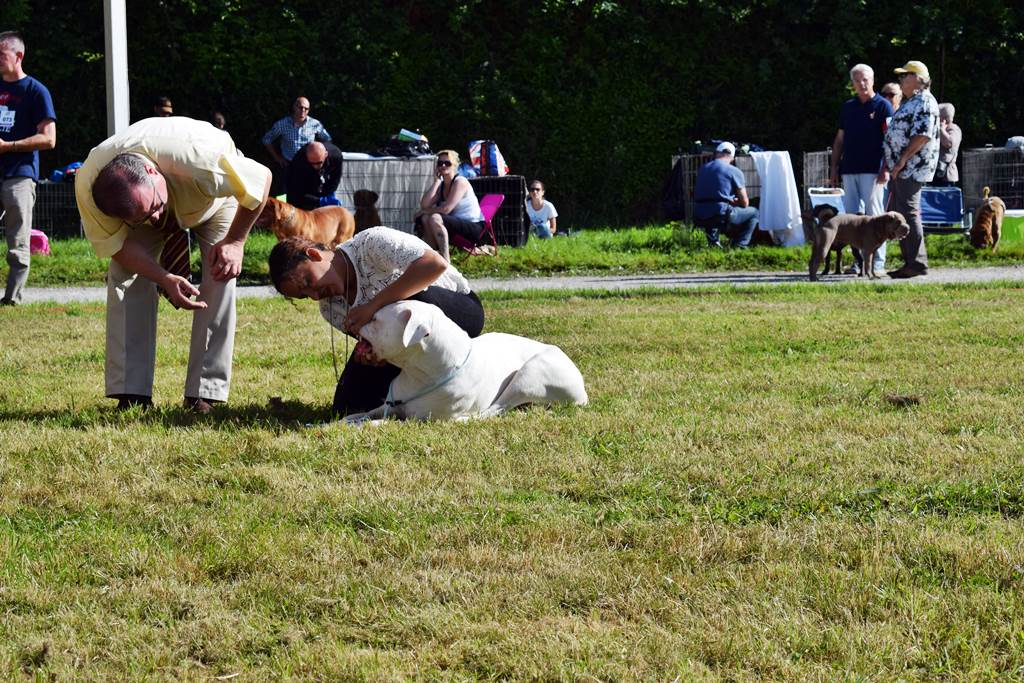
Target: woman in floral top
911, 153
377, 267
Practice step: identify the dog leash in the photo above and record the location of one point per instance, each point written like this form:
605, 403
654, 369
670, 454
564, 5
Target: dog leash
334, 353
389, 402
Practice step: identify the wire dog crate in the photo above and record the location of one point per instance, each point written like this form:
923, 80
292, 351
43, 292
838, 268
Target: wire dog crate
999, 169
510, 226
56, 212
816, 173
693, 162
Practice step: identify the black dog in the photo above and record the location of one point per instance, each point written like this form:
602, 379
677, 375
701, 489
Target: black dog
366, 211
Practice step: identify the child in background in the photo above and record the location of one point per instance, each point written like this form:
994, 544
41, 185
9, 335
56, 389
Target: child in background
542, 213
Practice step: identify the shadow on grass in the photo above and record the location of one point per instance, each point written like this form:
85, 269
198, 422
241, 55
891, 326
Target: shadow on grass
274, 415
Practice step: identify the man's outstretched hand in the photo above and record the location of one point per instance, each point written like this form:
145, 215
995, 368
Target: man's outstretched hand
179, 291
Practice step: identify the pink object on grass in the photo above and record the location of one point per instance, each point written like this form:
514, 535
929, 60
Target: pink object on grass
38, 243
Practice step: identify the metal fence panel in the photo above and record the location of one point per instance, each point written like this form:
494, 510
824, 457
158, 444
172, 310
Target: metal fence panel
817, 170
56, 212
510, 226
999, 169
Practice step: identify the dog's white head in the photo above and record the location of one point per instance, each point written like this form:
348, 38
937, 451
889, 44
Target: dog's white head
397, 327
415, 334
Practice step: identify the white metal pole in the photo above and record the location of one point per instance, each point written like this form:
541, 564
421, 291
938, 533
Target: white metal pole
116, 34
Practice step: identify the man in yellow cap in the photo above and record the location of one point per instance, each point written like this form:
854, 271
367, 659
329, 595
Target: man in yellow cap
911, 154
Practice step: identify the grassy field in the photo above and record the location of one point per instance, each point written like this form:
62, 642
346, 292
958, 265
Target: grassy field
804, 483
652, 249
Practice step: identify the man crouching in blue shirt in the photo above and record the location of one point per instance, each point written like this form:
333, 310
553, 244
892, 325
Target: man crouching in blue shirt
721, 193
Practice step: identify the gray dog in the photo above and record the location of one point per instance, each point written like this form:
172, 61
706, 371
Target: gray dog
866, 233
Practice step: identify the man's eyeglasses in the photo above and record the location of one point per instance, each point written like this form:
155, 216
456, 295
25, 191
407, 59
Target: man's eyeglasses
536, 189
153, 209
443, 163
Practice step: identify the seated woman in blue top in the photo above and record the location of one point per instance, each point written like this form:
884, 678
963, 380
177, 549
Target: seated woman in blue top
449, 206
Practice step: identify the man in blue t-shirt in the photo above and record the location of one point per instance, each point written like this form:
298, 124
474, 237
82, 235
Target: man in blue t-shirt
27, 125
720, 192
857, 152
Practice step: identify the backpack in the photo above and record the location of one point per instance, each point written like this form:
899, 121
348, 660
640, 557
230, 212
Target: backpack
486, 158
397, 147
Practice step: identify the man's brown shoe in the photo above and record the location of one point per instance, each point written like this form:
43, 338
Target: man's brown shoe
199, 406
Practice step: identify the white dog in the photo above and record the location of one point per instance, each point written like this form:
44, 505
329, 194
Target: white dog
447, 375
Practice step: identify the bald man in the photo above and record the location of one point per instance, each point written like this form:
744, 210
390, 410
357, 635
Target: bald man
313, 175
294, 132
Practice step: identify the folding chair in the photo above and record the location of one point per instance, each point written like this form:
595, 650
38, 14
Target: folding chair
488, 242
942, 210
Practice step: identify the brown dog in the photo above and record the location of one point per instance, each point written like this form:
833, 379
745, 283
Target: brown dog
866, 233
814, 219
330, 225
366, 212
988, 222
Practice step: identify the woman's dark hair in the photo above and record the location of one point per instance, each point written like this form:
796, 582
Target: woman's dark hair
287, 255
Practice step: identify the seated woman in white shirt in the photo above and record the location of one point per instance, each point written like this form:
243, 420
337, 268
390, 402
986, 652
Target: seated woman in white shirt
377, 267
449, 206
542, 213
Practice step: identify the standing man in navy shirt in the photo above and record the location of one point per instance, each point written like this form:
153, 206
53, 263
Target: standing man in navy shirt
27, 125
857, 151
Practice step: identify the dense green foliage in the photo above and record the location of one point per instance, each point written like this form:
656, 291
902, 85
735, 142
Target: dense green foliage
592, 96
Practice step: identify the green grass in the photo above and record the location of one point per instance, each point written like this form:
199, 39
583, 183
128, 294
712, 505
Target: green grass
667, 248
801, 483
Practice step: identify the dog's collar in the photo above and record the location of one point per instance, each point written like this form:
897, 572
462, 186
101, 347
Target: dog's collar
390, 402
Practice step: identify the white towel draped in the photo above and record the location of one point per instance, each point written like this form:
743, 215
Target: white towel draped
779, 209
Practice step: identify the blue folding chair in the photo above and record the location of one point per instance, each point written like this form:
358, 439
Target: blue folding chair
942, 210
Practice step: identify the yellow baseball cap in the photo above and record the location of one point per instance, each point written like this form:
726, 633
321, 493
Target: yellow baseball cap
914, 67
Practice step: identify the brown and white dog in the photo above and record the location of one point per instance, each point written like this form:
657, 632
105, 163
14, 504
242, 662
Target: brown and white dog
366, 211
988, 222
330, 225
866, 233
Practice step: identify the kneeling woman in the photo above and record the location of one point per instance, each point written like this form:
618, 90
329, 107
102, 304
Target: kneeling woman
377, 267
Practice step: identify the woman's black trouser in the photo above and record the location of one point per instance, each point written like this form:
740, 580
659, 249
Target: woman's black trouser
365, 387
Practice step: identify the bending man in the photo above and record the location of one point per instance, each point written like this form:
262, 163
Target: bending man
134, 191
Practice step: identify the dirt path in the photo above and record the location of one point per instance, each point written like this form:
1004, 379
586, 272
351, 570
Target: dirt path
616, 282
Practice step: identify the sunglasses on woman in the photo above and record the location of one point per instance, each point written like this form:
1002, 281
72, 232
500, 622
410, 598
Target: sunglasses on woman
443, 163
